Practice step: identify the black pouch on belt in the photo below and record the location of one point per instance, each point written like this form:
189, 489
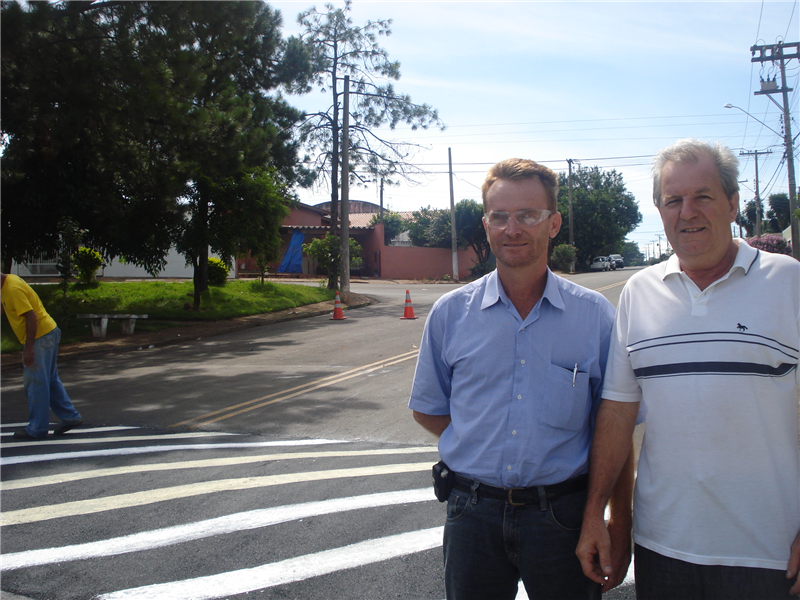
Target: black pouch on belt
443, 479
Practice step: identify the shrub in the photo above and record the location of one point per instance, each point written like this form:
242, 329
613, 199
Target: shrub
86, 262
479, 269
771, 243
217, 272
563, 257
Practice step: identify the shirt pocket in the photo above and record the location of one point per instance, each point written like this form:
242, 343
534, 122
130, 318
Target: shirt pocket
566, 400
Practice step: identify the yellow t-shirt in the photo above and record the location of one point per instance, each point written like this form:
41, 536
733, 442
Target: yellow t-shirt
18, 298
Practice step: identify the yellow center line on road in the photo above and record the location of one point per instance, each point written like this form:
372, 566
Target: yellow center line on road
143, 498
295, 391
613, 285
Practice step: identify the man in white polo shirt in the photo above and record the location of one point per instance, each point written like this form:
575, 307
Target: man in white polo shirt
707, 342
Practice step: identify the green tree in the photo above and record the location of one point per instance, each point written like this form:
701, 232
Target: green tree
470, 232
70, 235
393, 225
631, 254
429, 227
603, 210
87, 263
327, 251
748, 218
563, 257
779, 214
79, 123
339, 48
240, 156
114, 110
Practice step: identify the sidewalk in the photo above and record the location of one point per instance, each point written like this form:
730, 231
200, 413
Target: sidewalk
183, 333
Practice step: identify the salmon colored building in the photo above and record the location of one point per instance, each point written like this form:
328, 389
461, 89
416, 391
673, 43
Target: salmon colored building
379, 260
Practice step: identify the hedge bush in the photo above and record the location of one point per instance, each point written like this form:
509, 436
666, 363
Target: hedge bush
771, 243
563, 256
87, 262
217, 272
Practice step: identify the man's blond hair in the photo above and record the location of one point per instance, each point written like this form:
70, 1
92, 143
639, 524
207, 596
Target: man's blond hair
516, 169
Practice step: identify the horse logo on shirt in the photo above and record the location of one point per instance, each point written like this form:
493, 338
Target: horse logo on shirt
741, 327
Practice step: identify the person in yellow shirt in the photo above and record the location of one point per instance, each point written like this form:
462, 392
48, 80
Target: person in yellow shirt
38, 333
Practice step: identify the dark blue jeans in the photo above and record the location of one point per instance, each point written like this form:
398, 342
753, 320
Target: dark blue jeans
659, 577
490, 544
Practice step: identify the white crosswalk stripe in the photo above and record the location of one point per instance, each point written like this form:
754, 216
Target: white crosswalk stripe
45, 491
202, 529
300, 514
287, 571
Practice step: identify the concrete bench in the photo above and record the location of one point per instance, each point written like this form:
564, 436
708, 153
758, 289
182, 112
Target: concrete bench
100, 323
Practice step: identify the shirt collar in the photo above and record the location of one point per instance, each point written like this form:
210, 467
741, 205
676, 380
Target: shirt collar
745, 257
495, 293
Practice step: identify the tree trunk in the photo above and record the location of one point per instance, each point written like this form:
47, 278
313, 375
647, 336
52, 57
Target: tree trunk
200, 261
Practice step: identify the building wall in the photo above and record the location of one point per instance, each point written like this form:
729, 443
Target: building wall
372, 252
302, 216
400, 262
408, 262
175, 268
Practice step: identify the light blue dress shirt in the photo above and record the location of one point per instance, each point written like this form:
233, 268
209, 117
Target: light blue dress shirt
522, 394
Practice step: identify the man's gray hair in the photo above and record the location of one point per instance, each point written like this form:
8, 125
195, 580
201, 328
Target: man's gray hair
690, 150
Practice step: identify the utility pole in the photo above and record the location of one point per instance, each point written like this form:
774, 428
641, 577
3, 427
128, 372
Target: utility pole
571, 235
345, 213
781, 53
381, 200
453, 235
755, 153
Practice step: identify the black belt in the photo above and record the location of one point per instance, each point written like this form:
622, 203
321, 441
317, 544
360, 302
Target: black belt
522, 496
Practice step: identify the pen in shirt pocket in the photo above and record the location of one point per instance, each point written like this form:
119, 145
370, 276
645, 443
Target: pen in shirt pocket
574, 374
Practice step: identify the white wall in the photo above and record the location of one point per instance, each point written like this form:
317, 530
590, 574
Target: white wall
176, 267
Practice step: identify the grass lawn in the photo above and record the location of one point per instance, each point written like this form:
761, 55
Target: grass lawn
163, 302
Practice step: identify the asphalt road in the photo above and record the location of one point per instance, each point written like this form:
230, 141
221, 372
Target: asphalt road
277, 462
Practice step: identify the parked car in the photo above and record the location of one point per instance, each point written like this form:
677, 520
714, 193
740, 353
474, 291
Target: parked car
619, 262
600, 263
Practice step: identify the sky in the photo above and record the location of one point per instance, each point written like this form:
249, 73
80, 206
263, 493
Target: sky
606, 84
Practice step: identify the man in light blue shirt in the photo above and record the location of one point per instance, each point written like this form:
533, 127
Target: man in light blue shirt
509, 376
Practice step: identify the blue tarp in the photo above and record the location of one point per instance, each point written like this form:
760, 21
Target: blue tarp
293, 259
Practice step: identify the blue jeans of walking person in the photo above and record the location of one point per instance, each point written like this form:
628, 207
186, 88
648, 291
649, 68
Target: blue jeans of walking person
489, 545
44, 389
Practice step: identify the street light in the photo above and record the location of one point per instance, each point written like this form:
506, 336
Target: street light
729, 105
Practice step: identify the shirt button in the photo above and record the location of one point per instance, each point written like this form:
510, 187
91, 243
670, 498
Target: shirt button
508, 468
522, 362
519, 397
514, 432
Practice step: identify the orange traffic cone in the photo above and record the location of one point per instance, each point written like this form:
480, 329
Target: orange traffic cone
338, 315
408, 313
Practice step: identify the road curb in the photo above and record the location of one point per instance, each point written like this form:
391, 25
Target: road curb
183, 334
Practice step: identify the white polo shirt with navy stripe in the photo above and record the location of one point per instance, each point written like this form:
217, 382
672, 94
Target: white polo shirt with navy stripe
716, 371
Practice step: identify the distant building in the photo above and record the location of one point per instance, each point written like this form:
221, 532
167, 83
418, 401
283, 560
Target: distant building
398, 260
